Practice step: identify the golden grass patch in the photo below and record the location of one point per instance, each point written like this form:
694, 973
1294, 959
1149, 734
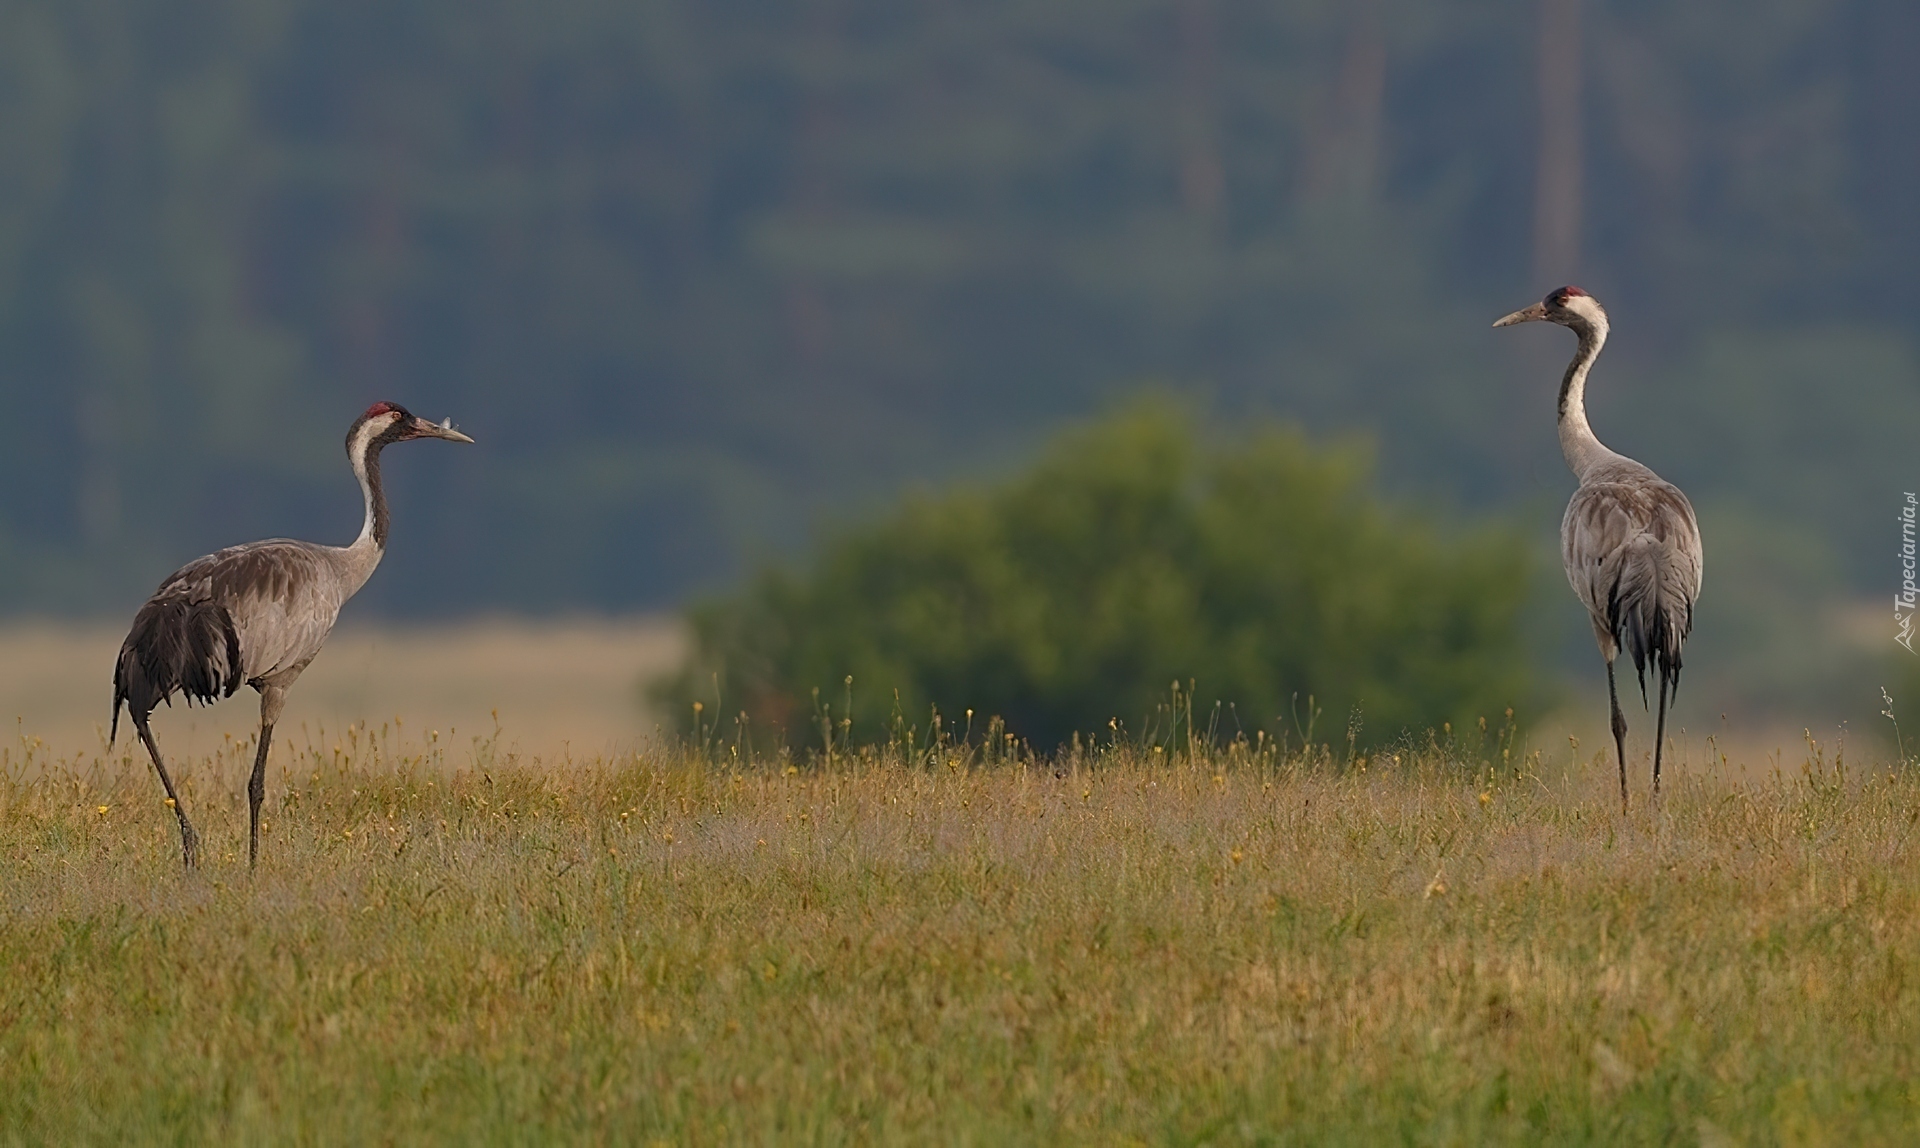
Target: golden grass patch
460, 945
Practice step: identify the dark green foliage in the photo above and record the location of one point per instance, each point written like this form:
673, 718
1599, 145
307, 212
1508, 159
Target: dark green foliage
1134, 556
693, 271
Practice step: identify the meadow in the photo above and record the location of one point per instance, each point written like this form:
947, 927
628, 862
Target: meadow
1459, 944
559, 687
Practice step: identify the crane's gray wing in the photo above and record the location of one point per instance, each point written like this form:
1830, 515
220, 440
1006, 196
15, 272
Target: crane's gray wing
1631, 546
282, 595
235, 616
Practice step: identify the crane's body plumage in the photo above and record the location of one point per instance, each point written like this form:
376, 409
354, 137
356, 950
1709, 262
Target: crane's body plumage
1631, 548
1629, 540
256, 615
246, 615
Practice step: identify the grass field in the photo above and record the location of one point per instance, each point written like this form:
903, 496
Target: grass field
557, 686
445, 944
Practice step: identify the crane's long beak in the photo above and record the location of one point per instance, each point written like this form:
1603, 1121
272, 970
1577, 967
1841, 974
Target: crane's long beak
443, 429
1523, 315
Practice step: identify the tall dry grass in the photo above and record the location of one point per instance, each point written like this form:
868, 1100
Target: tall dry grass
445, 943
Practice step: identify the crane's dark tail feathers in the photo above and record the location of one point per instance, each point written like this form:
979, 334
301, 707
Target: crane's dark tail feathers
176, 645
1650, 624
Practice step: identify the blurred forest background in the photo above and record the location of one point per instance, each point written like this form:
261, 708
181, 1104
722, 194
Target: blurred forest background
701, 276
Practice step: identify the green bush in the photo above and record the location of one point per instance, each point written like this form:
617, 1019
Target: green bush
1135, 555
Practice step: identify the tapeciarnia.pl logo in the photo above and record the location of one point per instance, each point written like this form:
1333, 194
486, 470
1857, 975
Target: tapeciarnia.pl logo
1909, 595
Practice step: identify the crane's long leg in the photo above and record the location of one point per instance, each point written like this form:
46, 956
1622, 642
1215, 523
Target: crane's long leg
189, 840
1619, 735
271, 699
256, 792
1660, 730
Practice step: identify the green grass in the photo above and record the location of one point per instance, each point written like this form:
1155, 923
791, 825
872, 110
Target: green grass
1123, 947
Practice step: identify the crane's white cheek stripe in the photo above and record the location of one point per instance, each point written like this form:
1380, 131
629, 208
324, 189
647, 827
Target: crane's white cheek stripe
372, 427
363, 441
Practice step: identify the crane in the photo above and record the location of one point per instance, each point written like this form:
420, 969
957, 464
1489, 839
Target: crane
1629, 540
255, 614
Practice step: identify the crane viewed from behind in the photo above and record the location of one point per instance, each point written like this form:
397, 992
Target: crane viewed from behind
1629, 540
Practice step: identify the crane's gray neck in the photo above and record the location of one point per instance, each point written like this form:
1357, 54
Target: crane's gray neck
364, 554
1577, 441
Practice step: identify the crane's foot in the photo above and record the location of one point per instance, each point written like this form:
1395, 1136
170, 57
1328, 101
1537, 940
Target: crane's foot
189, 846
